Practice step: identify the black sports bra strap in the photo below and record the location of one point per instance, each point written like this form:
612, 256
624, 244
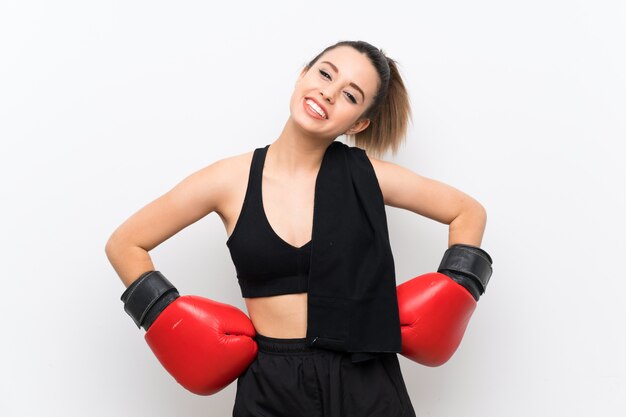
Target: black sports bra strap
258, 158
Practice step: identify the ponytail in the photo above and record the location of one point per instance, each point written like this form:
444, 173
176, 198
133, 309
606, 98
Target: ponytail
388, 120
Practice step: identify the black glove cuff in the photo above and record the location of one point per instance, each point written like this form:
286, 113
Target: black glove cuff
470, 284
470, 261
158, 307
150, 290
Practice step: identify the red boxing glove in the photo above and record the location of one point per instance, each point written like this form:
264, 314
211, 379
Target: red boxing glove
434, 313
205, 345
435, 308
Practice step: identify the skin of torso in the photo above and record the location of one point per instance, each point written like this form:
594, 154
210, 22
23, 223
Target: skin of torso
288, 205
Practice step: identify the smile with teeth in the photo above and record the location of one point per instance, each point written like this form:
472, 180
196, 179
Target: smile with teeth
316, 108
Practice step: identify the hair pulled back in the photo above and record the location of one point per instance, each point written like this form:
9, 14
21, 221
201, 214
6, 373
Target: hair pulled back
390, 111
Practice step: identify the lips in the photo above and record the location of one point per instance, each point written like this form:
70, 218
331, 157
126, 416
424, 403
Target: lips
319, 104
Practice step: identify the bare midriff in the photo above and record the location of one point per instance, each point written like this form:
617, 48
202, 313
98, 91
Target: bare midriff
280, 316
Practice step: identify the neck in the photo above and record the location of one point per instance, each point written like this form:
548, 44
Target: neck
295, 152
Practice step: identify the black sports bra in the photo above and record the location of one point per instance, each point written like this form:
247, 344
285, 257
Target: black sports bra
265, 264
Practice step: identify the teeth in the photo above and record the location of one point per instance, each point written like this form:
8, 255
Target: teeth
315, 107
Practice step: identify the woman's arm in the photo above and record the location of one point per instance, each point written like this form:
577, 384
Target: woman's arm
194, 197
405, 189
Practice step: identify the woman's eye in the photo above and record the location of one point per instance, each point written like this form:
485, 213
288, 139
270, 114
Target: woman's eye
327, 76
324, 74
351, 97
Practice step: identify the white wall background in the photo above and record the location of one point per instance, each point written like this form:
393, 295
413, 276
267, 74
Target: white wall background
104, 106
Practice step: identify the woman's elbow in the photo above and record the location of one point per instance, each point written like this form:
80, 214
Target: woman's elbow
469, 226
480, 213
476, 216
114, 245
110, 246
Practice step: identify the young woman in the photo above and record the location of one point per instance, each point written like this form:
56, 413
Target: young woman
266, 199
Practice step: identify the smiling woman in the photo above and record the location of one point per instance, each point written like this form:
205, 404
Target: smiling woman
307, 234
366, 92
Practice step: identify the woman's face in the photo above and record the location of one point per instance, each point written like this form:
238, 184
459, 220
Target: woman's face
330, 97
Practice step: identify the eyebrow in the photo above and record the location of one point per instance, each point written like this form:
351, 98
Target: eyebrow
352, 84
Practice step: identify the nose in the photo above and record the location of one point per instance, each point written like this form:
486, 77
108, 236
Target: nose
328, 94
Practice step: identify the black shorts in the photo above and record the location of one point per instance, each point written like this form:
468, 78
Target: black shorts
289, 379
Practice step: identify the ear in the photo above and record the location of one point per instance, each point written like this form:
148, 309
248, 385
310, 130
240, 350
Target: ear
358, 127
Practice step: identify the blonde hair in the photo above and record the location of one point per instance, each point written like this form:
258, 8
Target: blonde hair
390, 111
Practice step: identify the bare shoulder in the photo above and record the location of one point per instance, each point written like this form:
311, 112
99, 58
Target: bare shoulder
227, 176
230, 166
388, 175
406, 189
